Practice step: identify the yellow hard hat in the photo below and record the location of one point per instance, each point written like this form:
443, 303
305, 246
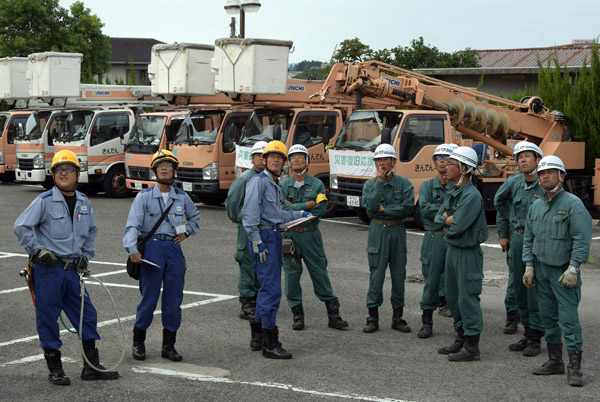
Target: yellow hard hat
277, 147
164, 155
65, 156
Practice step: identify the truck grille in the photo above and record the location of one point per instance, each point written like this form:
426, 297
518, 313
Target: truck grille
189, 175
350, 186
25, 164
139, 173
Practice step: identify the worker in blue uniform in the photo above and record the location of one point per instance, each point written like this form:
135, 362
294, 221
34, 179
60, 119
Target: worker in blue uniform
163, 250
557, 240
261, 216
59, 229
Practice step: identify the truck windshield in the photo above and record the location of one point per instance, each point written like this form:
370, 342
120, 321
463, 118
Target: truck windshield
77, 125
266, 125
3, 120
34, 126
147, 130
362, 130
200, 128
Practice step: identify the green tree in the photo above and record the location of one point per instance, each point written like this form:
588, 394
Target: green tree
132, 79
312, 74
353, 50
32, 26
579, 101
420, 55
307, 65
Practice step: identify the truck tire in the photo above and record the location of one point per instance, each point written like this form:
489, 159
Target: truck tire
115, 185
48, 183
7, 177
362, 215
418, 216
213, 200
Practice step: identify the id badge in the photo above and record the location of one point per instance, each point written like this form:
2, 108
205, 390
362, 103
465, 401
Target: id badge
180, 229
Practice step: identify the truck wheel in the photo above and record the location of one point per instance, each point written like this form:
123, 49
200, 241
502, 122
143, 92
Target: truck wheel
362, 215
214, 200
418, 216
115, 185
48, 183
8, 177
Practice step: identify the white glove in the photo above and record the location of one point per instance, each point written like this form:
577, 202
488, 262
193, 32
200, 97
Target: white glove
259, 248
528, 277
569, 278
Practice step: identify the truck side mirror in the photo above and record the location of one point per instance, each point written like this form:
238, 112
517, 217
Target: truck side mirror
386, 136
277, 132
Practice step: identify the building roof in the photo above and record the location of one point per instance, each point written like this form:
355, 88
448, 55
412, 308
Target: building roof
136, 49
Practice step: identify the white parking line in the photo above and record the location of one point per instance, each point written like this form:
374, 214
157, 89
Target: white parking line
288, 387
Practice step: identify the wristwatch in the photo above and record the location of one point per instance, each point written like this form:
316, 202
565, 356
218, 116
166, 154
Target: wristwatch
187, 233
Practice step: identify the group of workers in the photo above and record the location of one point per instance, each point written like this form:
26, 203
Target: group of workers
545, 231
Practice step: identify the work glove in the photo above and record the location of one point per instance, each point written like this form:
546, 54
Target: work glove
46, 257
81, 266
568, 279
259, 248
528, 277
306, 214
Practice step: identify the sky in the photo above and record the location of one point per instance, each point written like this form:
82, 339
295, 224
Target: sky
317, 26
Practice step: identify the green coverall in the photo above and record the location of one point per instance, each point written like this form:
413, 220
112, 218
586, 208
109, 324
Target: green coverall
512, 202
464, 259
558, 233
248, 281
433, 250
387, 236
307, 240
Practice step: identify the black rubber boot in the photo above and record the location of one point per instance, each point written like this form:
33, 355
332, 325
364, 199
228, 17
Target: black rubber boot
248, 310
459, 341
469, 351
512, 322
168, 346
372, 321
88, 373
57, 375
271, 346
555, 364
398, 323
298, 312
522, 343
256, 340
427, 329
534, 343
138, 350
443, 309
333, 313
574, 375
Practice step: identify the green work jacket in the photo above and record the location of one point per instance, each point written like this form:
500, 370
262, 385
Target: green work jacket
512, 201
431, 196
235, 197
298, 197
396, 195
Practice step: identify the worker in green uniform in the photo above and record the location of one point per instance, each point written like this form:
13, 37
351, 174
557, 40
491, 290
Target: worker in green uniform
433, 250
558, 236
247, 281
463, 220
303, 192
512, 202
388, 199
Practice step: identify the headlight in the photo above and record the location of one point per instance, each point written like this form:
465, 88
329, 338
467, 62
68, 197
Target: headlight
211, 172
333, 182
84, 165
1, 157
38, 161
127, 171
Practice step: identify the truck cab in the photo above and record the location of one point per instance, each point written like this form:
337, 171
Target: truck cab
98, 138
11, 124
152, 131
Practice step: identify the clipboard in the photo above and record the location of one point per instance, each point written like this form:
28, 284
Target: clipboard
284, 227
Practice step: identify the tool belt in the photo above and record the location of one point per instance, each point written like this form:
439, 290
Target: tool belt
435, 233
268, 227
163, 237
66, 263
300, 229
386, 223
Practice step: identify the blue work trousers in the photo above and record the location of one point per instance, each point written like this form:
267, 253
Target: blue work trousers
58, 289
269, 277
171, 276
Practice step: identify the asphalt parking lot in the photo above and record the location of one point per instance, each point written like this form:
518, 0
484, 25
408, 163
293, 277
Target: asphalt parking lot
328, 365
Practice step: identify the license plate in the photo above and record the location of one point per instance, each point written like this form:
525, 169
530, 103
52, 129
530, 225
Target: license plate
187, 186
137, 185
353, 201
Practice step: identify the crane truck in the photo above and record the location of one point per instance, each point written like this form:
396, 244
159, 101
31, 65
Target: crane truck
423, 112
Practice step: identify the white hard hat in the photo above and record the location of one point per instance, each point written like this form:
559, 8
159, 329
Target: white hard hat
551, 162
384, 151
258, 148
466, 155
444, 149
527, 146
298, 149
